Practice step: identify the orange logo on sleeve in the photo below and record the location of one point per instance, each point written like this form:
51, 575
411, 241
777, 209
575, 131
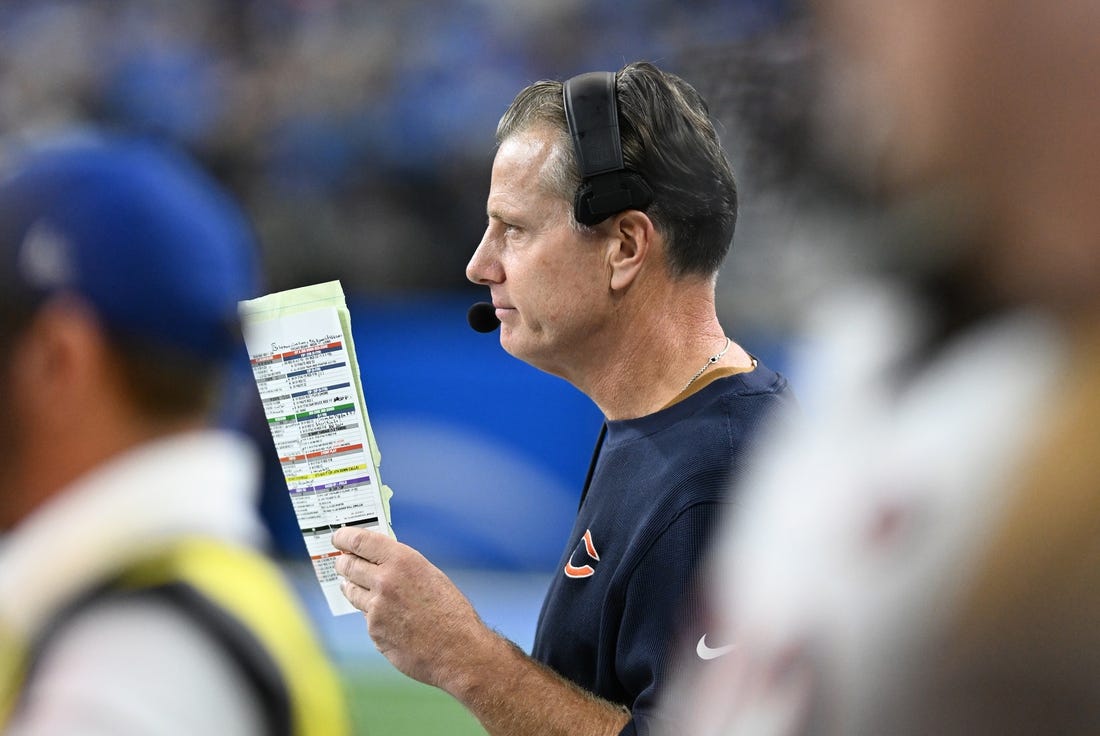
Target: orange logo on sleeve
586, 570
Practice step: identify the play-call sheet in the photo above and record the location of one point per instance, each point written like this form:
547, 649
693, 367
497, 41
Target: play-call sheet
303, 361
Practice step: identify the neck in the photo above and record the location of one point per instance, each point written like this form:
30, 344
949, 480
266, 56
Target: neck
649, 351
48, 466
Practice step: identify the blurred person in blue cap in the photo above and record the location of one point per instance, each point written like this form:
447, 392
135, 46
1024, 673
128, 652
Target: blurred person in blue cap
922, 554
135, 596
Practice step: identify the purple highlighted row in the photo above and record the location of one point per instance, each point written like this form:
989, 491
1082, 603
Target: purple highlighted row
334, 486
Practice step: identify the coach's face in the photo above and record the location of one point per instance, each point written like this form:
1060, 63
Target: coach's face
549, 280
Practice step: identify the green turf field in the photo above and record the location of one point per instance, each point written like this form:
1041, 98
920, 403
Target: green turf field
388, 704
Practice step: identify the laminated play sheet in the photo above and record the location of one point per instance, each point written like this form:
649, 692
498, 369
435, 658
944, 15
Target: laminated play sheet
303, 359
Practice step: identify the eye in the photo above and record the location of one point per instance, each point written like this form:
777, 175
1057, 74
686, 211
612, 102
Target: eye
505, 228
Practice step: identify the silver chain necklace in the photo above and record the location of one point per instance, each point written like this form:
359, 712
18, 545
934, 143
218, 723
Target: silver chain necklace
710, 361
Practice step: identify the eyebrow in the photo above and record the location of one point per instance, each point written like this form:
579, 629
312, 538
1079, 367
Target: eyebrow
494, 213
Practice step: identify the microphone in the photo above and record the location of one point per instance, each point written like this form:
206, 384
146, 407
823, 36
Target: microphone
482, 317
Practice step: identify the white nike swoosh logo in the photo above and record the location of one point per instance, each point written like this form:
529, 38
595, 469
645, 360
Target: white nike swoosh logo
706, 652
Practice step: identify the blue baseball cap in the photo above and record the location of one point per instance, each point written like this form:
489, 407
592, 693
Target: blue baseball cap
151, 242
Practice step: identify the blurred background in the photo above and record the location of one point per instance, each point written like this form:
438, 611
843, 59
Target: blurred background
359, 137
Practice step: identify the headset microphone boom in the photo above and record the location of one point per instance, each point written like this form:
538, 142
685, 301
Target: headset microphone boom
482, 317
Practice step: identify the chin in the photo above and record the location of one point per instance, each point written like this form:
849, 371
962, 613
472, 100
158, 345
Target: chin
529, 351
511, 343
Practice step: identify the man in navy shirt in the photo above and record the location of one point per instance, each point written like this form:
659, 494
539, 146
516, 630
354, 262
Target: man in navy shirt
611, 208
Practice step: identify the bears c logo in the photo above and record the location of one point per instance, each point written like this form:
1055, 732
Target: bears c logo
586, 570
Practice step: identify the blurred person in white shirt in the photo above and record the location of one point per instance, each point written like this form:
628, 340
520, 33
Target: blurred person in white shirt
921, 554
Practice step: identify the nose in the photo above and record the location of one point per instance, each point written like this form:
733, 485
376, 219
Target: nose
484, 267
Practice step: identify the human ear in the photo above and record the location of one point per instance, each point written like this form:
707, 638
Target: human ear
631, 239
60, 351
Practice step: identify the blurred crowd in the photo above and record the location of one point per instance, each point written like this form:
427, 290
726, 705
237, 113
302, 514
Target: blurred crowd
359, 135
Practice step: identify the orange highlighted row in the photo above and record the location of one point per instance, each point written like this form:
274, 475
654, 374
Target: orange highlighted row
321, 453
292, 353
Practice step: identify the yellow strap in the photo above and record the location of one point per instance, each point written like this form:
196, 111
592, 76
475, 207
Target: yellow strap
13, 663
247, 586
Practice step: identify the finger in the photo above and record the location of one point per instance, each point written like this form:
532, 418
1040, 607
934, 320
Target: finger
353, 568
357, 595
346, 539
369, 545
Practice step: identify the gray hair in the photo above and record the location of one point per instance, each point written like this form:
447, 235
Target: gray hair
668, 138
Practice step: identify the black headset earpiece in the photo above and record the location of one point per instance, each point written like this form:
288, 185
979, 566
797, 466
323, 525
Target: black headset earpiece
607, 187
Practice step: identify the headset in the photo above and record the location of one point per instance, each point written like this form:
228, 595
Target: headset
607, 186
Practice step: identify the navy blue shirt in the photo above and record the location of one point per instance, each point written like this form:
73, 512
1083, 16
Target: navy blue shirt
623, 592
